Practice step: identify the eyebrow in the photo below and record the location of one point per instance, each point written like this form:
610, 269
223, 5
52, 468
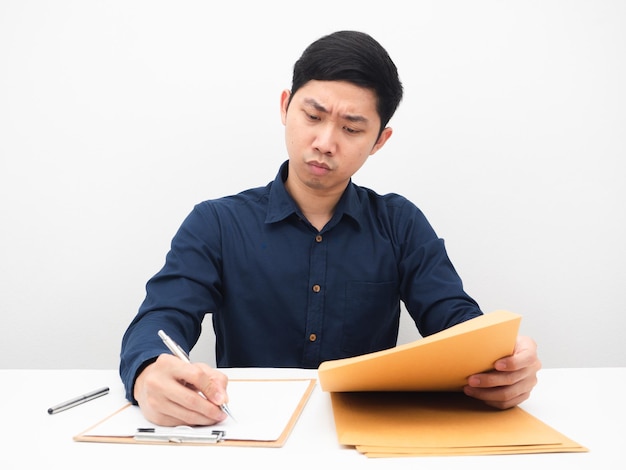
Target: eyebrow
322, 109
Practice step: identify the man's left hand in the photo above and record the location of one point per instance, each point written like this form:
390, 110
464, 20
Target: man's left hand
512, 379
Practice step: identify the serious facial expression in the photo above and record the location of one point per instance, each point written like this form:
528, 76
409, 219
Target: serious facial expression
331, 128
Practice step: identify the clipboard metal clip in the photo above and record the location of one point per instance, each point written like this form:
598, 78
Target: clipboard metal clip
180, 435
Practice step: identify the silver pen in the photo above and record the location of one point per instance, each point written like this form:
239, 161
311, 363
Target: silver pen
78, 400
182, 355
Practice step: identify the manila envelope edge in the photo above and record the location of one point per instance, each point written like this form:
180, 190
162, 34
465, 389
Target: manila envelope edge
568, 445
434, 359
379, 452
81, 437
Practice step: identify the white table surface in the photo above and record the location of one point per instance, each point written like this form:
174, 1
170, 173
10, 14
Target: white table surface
587, 405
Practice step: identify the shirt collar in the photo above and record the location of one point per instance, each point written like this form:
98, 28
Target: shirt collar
281, 205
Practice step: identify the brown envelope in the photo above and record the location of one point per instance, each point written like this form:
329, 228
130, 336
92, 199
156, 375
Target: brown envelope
442, 361
405, 401
443, 423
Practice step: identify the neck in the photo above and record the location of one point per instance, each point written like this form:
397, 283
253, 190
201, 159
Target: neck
317, 206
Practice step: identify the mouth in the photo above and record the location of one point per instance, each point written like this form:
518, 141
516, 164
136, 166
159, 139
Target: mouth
318, 168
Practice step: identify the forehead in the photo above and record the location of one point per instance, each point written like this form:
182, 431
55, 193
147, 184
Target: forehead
338, 97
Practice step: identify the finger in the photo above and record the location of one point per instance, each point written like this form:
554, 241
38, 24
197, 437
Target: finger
185, 405
194, 409
496, 379
171, 413
524, 355
207, 394
161, 406
209, 384
170, 394
500, 397
506, 403
213, 384
503, 396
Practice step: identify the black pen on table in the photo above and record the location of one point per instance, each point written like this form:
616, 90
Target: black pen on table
79, 400
182, 355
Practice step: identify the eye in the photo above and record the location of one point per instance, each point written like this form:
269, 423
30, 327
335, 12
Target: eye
350, 130
312, 117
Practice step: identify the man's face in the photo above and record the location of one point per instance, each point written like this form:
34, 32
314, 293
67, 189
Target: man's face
331, 128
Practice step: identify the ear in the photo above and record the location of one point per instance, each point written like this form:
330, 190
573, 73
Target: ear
284, 104
384, 137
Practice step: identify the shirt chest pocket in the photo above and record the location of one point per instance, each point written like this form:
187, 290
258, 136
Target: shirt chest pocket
371, 317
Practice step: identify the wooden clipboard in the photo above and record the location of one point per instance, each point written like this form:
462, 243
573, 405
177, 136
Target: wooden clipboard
126, 436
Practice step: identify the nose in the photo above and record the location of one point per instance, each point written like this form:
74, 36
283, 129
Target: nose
326, 140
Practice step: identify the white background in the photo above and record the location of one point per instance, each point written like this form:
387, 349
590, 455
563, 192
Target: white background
116, 117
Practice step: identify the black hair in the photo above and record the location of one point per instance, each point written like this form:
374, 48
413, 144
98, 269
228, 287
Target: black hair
354, 57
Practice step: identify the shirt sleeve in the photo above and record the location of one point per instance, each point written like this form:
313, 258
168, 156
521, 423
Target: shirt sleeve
431, 288
177, 297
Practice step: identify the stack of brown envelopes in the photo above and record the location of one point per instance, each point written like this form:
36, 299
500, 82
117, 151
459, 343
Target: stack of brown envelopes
406, 401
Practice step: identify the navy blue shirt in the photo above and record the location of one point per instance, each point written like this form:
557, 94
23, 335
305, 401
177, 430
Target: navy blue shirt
283, 294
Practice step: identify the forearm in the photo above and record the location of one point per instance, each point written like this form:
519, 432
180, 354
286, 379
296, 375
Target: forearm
141, 343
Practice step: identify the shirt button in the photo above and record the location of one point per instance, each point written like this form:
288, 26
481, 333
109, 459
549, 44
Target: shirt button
316, 288
318, 238
312, 337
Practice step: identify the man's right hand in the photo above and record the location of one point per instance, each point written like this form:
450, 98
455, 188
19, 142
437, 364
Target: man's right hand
167, 393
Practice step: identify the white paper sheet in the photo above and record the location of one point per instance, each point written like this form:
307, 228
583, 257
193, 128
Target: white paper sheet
262, 409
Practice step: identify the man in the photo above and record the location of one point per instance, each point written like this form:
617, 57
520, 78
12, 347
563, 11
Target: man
310, 267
